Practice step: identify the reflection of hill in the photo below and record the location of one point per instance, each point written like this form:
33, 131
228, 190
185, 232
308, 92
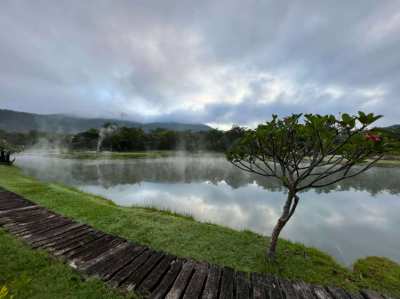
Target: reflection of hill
176, 170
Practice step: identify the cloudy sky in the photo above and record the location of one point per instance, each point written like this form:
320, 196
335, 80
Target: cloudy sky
216, 62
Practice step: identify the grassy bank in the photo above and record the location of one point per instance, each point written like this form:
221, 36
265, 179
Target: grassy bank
185, 237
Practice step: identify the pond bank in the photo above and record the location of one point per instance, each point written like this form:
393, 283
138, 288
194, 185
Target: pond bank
204, 242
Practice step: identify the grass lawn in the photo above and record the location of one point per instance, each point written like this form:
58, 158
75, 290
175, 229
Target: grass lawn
182, 236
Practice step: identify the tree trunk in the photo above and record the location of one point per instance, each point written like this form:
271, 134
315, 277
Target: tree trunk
288, 210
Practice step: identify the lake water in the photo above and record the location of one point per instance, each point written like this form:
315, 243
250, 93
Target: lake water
352, 219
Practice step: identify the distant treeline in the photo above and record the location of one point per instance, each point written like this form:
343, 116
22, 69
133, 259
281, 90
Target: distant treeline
111, 138
135, 139
114, 138
19, 141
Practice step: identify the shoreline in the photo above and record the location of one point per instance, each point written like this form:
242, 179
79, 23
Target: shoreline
390, 161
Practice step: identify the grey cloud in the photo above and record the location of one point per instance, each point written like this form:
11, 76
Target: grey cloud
200, 61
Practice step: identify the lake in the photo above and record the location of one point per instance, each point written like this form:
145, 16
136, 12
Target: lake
350, 220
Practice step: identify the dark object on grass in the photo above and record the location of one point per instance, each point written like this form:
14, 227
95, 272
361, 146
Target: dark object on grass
5, 157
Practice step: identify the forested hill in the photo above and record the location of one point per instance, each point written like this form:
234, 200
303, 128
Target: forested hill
13, 121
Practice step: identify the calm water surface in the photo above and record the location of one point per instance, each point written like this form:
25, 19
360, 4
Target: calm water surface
353, 219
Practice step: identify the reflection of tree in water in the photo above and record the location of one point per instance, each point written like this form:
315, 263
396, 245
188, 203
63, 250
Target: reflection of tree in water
215, 171
375, 180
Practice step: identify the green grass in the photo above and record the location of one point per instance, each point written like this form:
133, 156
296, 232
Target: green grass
182, 236
33, 274
379, 273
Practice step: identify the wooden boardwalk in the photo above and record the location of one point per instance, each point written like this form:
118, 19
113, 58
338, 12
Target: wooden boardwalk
129, 266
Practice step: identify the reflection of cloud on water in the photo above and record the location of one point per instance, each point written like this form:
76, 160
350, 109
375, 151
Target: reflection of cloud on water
335, 219
357, 223
204, 201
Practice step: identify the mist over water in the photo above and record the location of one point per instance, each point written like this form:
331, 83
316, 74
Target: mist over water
352, 219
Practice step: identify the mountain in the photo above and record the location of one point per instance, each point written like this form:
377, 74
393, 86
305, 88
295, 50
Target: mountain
394, 130
15, 121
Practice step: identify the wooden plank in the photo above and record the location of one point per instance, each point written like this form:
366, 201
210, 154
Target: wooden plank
20, 199
10, 195
196, 284
242, 286
29, 211
36, 222
166, 283
24, 219
7, 201
74, 240
95, 250
321, 293
155, 276
134, 280
109, 260
287, 289
19, 216
65, 249
303, 290
108, 267
73, 233
60, 231
227, 283
23, 212
211, 287
6, 204
356, 295
86, 248
120, 277
337, 293
113, 249
33, 231
183, 278
39, 224
12, 206
4, 197
37, 232
258, 286
272, 287
11, 212
99, 250
371, 294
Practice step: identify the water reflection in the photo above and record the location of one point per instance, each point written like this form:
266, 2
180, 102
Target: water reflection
349, 220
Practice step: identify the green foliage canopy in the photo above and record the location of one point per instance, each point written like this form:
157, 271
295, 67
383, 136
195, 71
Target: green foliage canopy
309, 151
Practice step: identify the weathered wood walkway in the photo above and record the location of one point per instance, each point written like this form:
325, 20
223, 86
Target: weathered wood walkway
129, 266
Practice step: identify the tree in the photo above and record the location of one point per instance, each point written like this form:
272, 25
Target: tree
313, 151
85, 140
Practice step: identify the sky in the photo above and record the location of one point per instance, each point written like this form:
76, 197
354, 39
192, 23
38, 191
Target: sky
221, 63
